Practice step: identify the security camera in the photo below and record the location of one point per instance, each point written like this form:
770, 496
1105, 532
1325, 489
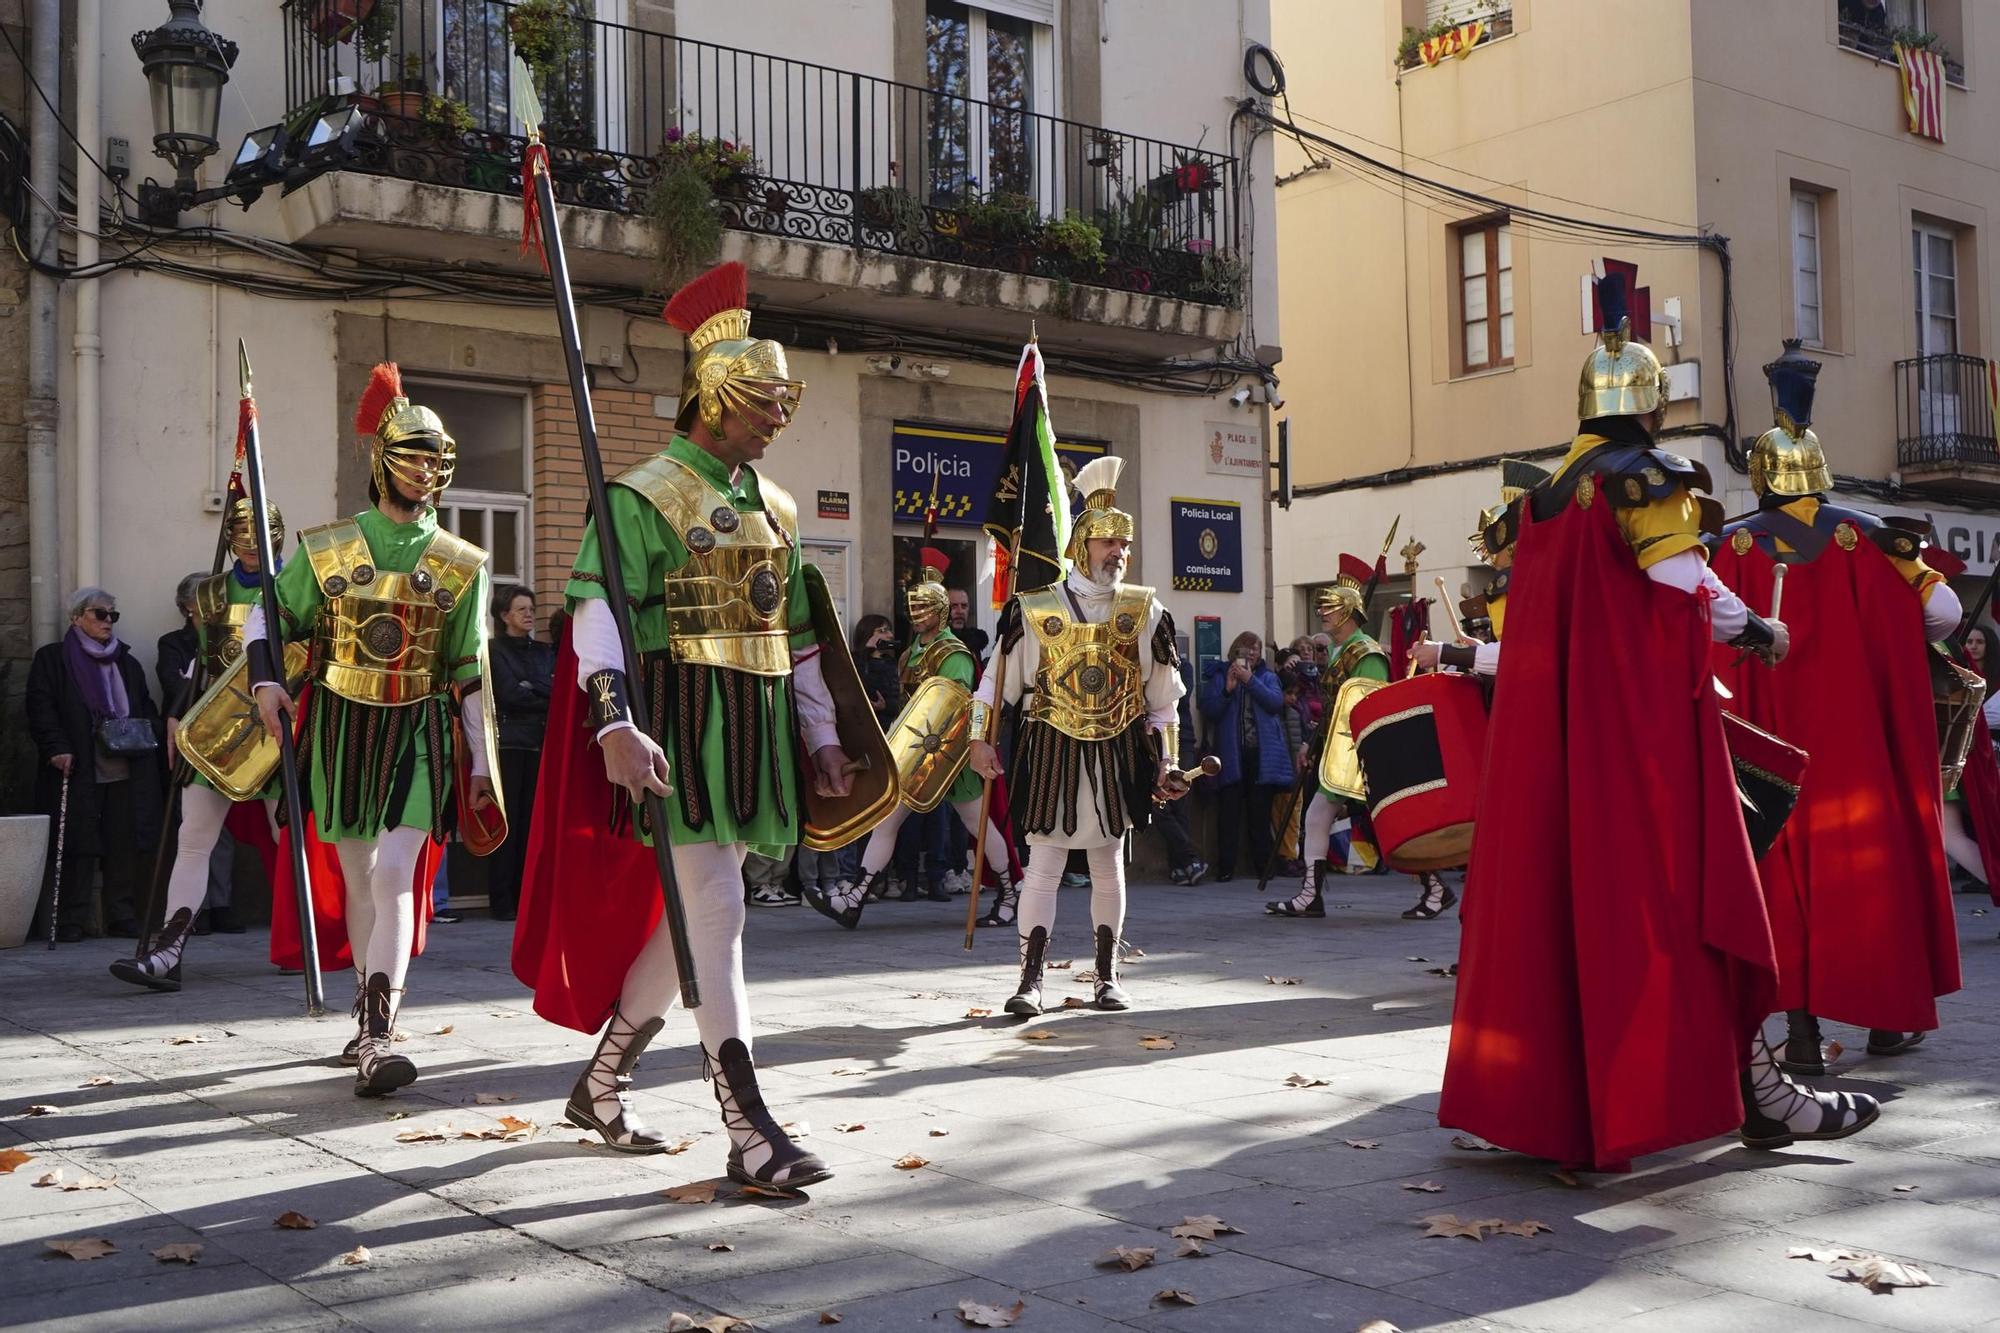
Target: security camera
1240, 397
1277, 404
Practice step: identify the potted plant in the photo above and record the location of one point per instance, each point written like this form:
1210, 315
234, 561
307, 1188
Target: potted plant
1077, 237
893, 209
405, 96
24, 837
377, 29
448, 117
686, 221
545, 34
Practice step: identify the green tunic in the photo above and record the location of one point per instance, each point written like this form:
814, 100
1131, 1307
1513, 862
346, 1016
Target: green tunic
957, 666
344, 737
649, 550
1373, 664
238, 596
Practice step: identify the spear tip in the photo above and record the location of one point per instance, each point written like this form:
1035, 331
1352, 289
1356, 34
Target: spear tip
242, 368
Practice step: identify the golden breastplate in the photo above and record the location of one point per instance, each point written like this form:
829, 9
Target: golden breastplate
221, 624
1090, 684
919, 665
726, 607
379, 634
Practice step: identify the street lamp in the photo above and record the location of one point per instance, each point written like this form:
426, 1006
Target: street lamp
186, 66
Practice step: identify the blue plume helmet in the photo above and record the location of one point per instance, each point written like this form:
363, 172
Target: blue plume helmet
1793, 377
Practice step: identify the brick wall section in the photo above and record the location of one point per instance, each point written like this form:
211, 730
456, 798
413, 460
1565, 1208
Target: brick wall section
627, 433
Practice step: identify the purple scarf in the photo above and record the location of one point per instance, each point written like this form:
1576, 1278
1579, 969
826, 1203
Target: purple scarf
94, 668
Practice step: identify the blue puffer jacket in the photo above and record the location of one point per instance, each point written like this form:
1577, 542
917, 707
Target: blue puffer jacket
1223, 709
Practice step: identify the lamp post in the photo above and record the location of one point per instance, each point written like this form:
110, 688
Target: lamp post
186, 66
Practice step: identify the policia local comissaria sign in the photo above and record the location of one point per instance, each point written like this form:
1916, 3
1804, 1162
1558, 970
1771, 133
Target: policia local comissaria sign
1208, 545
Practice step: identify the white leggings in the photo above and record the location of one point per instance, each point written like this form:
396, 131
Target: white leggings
1042, 877
711, 884
1316, 831
882, 842
1959, 844
381, 900
203, 810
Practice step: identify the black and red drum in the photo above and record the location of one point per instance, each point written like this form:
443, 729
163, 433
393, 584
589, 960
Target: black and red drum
1421, 743
1768, 773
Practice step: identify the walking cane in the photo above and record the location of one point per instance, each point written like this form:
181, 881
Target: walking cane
62, 828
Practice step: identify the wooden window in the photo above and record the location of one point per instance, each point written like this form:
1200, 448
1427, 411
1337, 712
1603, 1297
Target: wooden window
1486, 294
1808, 316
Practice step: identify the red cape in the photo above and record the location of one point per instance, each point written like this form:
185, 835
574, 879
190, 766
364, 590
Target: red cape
1615, 957
329, 896
1859, 896
1980, 790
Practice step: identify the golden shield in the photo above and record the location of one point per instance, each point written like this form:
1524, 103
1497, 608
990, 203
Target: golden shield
831, 822
932, 741
221, 737
1339, 761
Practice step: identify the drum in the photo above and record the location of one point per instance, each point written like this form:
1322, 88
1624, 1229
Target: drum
1768, 772
1422, 742
1958, 696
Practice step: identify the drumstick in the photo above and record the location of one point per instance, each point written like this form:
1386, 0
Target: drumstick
1777, 590
1450, 609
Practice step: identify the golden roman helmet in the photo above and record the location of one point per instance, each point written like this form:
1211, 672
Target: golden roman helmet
243, 530
1500, 525
1349, 590
726, 367
410, 442
1097, 482
1621, 377
1787, 459
927, 596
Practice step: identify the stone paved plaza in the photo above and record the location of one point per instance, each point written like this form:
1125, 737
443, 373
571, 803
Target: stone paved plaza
1042, 1154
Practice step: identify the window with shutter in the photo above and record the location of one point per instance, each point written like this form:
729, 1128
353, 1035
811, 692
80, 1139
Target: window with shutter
1485, 262
1459, 11
1808, 323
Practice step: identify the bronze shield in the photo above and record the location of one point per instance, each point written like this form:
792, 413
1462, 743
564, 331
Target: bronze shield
221, 737
931, 741
1339, 761
832, 822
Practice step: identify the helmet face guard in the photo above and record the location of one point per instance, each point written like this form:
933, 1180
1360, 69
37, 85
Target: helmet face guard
243, 530
744, 375
927, 601
419, 466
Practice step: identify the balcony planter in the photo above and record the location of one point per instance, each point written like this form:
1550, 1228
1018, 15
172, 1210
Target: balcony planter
338, 20
24, 841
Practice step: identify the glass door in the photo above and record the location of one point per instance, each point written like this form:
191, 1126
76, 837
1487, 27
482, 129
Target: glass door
1934, 253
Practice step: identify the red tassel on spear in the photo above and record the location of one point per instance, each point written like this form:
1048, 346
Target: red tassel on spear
534, 158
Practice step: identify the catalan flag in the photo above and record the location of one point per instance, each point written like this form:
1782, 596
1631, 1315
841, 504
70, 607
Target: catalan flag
1921, 71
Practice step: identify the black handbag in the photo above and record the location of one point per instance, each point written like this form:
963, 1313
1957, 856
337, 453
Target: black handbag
127, 736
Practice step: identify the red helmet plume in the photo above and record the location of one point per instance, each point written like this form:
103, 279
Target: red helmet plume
724, 287
385, 386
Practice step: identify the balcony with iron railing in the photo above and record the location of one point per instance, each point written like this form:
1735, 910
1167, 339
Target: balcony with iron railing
1879, 43
790, 149
1944, 424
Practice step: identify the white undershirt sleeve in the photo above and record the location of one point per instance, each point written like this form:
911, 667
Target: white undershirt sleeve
472, 714
1486, 659
815, 702
1942, 612
1688, 571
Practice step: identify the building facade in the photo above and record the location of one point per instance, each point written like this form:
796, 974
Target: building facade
1755, 162
893, 168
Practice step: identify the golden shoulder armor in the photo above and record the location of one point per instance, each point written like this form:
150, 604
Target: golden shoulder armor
379, 634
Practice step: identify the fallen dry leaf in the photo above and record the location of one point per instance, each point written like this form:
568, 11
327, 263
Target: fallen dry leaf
1302, 1081
939, 1132
674, 1149
511, 1129
1059, 966
39, 1109
1378, 1326
87, 1183
294, 1221
1447, 1224
701, 1191
421, 1135
11, 1158
1833, 1050
187, 1039
1362, 1143
1904, 1189
444, 1031
1038, 1034
514, 1124
1880, 1275
83, 1248
1075, 1002
1524, 1228
1819, 1256
49, 1178
1567, 1179
1084, 976
493, 1098
980, 1315
1156, 1043
96, 1081
848, 1129
1205, 1227
1284, 981
1191, 1248
828, 1317
1130, 1257
1415, 958
1427, 1187
715, 1323
910, 1162
185, 1252
398, 1115
721, 1246
771, 1192
1175, 1296
979, 1013
1472, 1143
356, 1257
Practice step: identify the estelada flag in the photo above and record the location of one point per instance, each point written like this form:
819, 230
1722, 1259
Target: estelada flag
1029, 511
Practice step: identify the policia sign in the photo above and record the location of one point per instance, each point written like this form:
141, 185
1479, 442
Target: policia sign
1208, 545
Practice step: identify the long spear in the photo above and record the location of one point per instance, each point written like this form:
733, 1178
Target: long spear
274, 642
540, 225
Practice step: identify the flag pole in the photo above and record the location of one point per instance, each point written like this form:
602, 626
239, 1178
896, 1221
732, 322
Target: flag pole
540, 188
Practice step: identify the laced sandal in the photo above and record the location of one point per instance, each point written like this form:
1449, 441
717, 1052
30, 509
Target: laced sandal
745, 1117
1006, 903
1110, 995
1882, 1041
160, 968
1026, 1001
379, 1070
1304, 903
843, 912
350, 1054
611, 1066
1435, 900
1803, 1051
1774, 1106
